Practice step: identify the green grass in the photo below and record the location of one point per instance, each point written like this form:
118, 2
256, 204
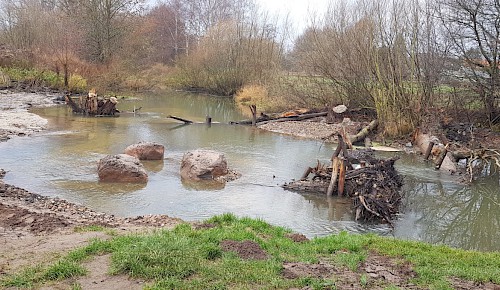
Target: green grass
186, 258
48, 78
434, 264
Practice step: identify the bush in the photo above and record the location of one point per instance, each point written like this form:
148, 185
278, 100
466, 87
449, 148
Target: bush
260, 96
34, 77
77, 83
4, 80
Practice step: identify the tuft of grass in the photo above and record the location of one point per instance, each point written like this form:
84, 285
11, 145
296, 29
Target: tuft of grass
96, 247
156, 256
25, 279
4, 79
363, 280
63, 269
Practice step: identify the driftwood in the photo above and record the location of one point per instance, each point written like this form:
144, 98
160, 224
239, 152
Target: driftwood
364, 132
360, 136
294, 118
264, 119
374, 186
73, 105
180, 119
374, 189
422, 142
441, 156
478, 160
92, 105
428, 150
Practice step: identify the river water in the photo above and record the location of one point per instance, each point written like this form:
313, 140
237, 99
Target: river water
62, 162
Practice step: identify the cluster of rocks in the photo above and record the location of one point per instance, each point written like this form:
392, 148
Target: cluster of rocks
196, 165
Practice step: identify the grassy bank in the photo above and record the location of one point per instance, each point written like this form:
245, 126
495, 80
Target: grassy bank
34, 78
190, 257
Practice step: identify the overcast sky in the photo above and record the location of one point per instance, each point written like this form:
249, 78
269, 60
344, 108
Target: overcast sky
299, 10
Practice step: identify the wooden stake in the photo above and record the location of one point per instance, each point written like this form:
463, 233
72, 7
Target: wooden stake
441, 157
253, 109
340, 190
347, 139
429, 150
337, 150
333, 181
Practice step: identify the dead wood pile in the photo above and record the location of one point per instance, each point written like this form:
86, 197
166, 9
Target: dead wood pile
373, 184
93, 105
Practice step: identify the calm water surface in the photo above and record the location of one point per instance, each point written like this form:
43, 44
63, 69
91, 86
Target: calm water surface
62, 162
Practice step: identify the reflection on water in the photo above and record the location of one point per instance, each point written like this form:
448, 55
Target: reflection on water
62, 162
461, 216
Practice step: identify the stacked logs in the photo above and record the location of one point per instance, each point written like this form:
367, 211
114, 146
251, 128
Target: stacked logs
372, 184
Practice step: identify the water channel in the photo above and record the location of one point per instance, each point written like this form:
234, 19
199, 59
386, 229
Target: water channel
61, 162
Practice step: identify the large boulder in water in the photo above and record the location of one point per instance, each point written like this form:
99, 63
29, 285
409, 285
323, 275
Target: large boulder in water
121, 168
146, 151
203, 164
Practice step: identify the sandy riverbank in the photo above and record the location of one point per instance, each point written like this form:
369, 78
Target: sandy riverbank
15, 118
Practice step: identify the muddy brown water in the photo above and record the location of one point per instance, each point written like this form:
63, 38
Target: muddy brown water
62, 162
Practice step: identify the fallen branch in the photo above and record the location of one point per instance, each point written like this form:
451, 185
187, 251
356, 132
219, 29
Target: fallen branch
364, 132
264, 119
180, 119
294, 118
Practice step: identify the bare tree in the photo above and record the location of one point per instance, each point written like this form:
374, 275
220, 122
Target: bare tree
105, 23
25, 23
473, 26
168, 33
200, 16
381, 55
234, 53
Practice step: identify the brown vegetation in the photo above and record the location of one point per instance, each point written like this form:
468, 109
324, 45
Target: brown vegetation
400, 59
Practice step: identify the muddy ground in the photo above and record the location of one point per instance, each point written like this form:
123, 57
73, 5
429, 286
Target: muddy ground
35, 229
